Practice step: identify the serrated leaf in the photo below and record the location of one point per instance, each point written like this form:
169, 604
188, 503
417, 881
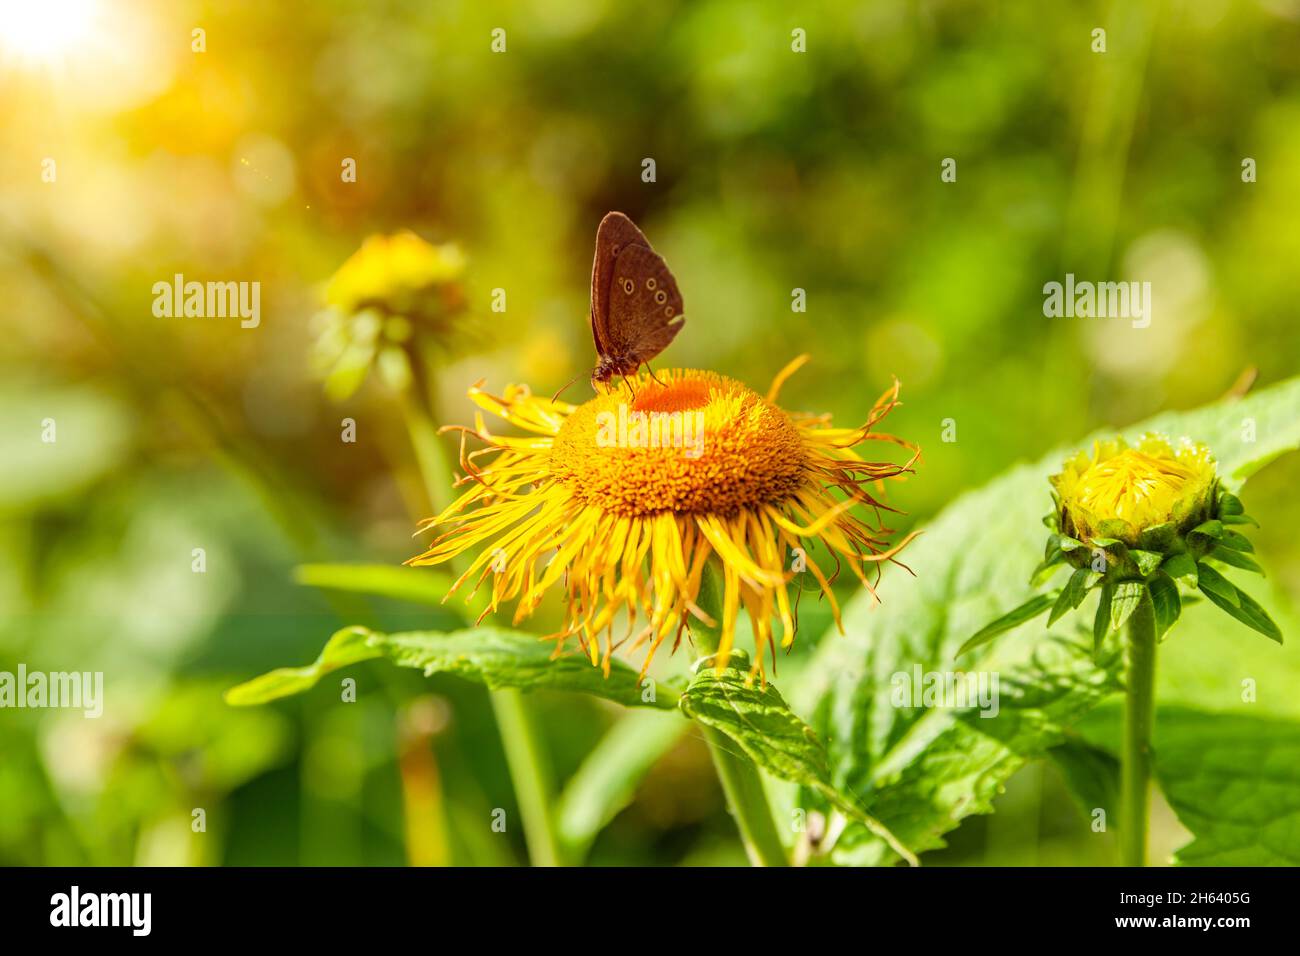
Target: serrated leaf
757, 719
493, 656
1012, 619
1072, 595
921, 771
1091, 775
1232, 779
1165, 600
346, 647
1241, 605
1215, 586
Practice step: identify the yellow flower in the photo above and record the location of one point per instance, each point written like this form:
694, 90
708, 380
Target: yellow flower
635, 490
389, 271
1119, 491
393, 296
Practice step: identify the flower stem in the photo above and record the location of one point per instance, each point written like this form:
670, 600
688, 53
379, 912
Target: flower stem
525, 757
1139, 718
740, 781
520, 736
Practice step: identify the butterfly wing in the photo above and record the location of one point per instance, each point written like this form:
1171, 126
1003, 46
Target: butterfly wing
615, 234
645, 307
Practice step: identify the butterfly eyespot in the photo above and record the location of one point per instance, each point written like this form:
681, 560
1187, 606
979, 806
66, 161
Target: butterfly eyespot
651, 283
668, 311
628, 286
661, 296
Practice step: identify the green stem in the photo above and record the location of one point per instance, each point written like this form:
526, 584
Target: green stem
1139, 718
520, 735
741, 783
525, 757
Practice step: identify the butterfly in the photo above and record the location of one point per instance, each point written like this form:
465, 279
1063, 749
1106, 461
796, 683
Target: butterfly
636, 309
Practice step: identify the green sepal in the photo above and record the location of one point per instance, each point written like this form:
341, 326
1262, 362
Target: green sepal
1244, 608
1105, 542
1125, 598
1212, 528
1146, 561
1116, 528
1230, 504
1072, 595
1026, 612
1238, 519
1236, 541
1181, 565
1236, 559
1215, 585
1158, 538
1101, 623
1164, 597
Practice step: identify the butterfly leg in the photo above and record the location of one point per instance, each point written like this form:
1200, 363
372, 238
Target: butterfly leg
630, 388
653, 375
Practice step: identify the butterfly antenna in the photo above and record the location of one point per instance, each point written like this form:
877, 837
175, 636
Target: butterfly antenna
556, 396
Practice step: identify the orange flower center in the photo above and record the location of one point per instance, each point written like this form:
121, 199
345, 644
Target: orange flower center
699, 443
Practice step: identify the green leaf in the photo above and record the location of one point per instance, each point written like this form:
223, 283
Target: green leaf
1072, 595
1211, 529
1165, 599
1125, 598
1215, 586
348, 646
1101, 620
1012, 619
1091, 775
1181, 566
1236, 559
1232, 779
419, 585
607, 779
1239, 605
921, 771
489, 655
758, 720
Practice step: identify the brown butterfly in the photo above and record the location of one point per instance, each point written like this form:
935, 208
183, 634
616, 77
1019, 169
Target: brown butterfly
636, 309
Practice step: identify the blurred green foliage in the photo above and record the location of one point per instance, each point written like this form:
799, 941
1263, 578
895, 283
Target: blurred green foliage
775, 170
